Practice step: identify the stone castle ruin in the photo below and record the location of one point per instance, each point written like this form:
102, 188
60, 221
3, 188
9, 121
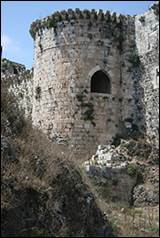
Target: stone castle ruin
95, 77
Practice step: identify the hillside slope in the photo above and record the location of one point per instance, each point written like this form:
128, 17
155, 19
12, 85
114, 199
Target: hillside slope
43, 193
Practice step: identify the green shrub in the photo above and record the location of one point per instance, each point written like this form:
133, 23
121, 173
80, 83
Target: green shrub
134, 59
132, 169
154, 228
88, 114
51, 23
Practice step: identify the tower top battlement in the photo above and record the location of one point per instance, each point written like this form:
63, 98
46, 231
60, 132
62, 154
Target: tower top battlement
57, 18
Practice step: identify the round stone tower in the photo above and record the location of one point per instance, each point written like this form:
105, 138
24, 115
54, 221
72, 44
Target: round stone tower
78, 76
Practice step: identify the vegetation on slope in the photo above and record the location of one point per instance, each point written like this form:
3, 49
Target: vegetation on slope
43, 194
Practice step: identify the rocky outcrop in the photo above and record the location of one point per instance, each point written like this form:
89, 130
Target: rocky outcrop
147, 193
113, 171
122, 173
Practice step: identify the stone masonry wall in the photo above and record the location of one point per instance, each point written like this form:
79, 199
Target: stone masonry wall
66, 57
19, 81
147, 41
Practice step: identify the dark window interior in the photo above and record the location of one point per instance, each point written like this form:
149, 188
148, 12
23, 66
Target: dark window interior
100, 83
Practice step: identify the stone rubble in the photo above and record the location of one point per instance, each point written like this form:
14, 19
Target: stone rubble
108, 156
123, 173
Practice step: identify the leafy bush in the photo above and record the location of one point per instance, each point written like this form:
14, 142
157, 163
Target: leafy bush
132, 169
134, 59
51, 23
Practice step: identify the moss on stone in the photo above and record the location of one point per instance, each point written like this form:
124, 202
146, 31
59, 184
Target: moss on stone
134, 59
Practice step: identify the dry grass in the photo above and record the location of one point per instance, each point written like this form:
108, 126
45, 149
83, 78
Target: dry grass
10, 111
55, 177
127, 221
38, 158
131, 221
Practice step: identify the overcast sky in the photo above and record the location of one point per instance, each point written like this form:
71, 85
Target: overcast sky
17, 16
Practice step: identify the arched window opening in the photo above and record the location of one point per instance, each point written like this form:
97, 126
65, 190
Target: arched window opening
100, 83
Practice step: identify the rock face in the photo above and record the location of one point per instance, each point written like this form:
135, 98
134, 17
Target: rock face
109, 168
147, 193
89, 83
123, 173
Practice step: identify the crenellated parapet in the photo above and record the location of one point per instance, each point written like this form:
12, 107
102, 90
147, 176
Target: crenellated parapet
76, 15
